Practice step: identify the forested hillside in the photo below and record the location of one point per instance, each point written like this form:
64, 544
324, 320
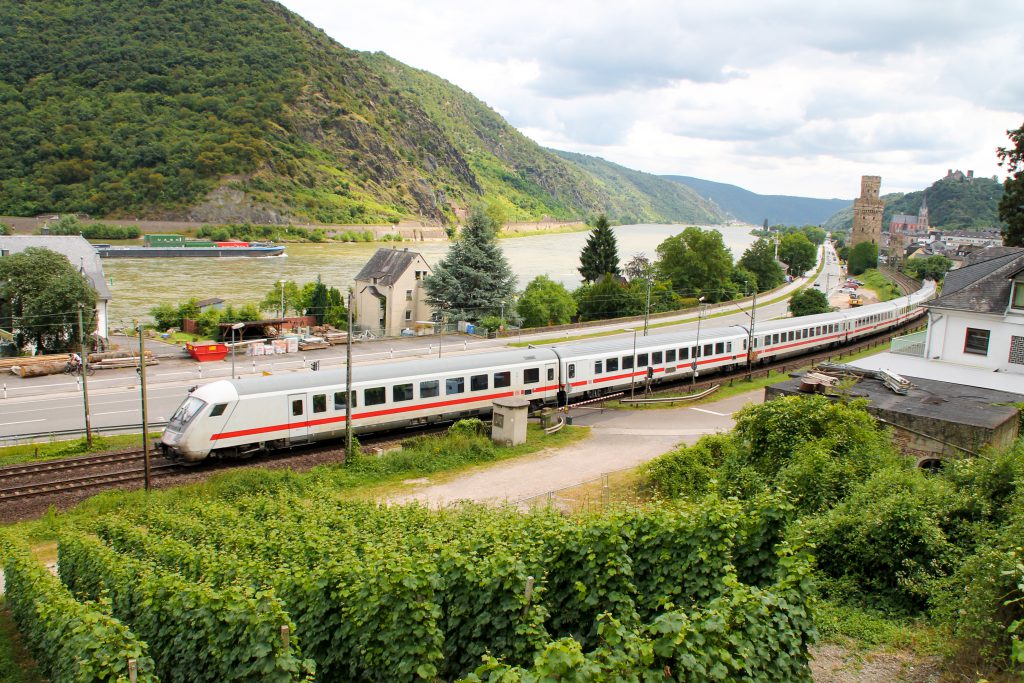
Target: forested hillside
755, 208
234, 110
954, 203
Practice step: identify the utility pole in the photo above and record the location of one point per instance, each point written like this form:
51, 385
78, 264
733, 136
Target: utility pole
348, 382
750, 335
85, 376
697, 353
145, 416
647, 311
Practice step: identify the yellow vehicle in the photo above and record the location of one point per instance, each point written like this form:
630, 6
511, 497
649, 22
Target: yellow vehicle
856, 300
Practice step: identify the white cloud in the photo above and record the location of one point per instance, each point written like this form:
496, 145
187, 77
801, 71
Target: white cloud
782, 96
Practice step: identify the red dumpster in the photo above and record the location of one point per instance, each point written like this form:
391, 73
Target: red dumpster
204, 351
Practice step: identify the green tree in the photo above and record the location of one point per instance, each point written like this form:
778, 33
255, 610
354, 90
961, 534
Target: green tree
337, 312
759, 258
697, 262
797, 252
41, 294
934, 267
544, 302
604, 299
318, 301
6, 229
815, 234
1011, 206
862, 257
808, 302
600, 254
474, 279
292, 299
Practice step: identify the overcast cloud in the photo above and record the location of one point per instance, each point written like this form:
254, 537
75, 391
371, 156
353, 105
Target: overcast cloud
797, 97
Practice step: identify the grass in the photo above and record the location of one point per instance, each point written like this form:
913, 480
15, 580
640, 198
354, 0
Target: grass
868, 629
419, 457
880, 285
37, 452
16, 665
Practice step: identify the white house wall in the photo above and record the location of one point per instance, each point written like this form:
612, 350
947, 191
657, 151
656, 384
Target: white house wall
947, 334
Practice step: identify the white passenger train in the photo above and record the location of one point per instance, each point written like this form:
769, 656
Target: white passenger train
243, 416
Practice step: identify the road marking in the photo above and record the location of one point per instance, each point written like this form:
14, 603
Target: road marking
117, 412
23, 422
710, 412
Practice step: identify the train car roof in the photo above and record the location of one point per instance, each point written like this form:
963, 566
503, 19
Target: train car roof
390, 370
655, 339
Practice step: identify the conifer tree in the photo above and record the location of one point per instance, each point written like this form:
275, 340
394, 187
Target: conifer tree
474, 279
600, 254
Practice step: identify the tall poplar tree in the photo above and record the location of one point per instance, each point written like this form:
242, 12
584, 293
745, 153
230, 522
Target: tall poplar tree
600, 254
474, 279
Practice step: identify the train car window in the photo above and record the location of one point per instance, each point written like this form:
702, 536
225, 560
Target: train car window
531, 375
598, 367
695, 352
720, 347
297, 407
339, 400
478, 383
817, 331
454, 385
551, 374
641, 360
612, 364
728, 345
571, 370
670, 356
430, 388
744, 345
319, 403
684, 353
656, 358
775, 339
218, 409
401, 392
792, 335
627, 362
502, 379
374, 396
708, 350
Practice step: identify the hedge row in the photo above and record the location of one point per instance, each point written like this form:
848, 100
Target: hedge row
72, 642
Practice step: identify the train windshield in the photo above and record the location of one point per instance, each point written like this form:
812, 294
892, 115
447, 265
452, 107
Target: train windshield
189, 408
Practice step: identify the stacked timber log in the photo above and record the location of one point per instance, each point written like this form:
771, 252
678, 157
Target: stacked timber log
54, 364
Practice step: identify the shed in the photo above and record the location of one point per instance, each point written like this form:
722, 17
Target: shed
508, 423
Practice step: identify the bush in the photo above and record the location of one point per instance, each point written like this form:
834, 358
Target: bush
887, 541
688, 471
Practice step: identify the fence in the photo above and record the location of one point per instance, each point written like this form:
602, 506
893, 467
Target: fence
909, 344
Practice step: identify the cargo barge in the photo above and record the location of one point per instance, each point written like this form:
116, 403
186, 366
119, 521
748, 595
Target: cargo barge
177, 246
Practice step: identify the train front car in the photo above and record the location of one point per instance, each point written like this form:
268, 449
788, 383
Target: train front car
189, 432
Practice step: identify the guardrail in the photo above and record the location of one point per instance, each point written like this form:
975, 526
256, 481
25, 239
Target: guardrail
67, 434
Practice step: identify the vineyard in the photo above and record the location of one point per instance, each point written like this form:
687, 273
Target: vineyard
287, 587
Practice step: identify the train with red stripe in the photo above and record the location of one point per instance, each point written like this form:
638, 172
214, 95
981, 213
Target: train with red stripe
243, 416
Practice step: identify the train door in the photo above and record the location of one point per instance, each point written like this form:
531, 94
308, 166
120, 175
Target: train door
298, 421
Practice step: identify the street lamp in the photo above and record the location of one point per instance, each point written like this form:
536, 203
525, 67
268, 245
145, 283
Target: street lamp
696, 352
281, 282
236, 326
632, 374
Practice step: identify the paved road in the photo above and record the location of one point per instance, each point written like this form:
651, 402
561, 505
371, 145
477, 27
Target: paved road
54, 403
619, 439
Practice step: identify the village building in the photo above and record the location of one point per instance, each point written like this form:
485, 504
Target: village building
80, 253
979, 319
390, 299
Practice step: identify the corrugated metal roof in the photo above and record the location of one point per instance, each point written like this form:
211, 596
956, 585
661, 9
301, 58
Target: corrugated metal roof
76, 248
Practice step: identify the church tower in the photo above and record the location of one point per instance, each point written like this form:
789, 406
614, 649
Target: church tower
922, 217
867, 212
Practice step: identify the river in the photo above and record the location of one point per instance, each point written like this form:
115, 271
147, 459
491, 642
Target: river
139, 284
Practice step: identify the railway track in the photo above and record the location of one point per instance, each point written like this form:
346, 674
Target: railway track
33, 479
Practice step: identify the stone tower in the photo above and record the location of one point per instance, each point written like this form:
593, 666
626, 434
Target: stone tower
867, 212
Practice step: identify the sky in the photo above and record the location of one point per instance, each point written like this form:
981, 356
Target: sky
797, 97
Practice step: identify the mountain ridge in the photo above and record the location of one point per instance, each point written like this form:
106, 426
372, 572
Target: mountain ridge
755, 208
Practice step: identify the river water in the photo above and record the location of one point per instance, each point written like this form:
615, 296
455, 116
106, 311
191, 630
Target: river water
139, 284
